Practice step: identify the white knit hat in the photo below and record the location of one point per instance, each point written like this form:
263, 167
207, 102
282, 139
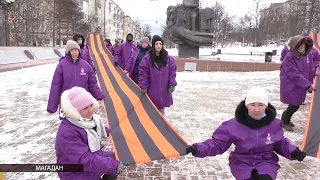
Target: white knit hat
257, 95
71, 44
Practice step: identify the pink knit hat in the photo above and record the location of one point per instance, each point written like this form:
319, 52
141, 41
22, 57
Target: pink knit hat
80, 98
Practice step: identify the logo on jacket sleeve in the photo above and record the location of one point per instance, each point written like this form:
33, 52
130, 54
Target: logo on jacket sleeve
82, 72
269, 139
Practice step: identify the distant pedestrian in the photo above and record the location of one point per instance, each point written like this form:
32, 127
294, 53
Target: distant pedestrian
124, 51
132, 67
85, 54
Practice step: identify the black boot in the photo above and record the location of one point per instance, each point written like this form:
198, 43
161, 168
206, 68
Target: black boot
287, 127
291, 124
286, 117
109, 177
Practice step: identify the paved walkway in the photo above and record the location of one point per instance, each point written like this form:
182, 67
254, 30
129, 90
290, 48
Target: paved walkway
202, 102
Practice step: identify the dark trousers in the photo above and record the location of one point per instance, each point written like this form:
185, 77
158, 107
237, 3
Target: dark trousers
256, 176
287, 114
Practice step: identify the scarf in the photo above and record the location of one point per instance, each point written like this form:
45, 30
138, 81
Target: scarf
94, 137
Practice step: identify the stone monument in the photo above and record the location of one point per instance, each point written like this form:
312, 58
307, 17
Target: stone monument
190, 27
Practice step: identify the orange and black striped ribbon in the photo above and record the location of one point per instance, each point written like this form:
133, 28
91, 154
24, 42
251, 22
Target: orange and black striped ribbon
315, 37
139, 133
311, 140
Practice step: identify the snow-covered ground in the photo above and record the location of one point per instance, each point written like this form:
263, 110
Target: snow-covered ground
202, 101
236, 53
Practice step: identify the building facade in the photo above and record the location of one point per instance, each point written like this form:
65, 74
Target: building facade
117, 23
35, 21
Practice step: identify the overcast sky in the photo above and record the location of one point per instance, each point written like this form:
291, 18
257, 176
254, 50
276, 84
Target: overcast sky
148, 11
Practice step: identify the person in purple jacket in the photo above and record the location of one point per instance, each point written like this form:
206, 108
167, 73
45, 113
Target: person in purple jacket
78, 140
257, 135
157, 75
124, 51
132, 67
72, 71
108, 44
118, 41
285, 51
314, 63
85, 54
294, 77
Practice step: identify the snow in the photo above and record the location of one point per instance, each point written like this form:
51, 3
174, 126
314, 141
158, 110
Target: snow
202, 101
236, 54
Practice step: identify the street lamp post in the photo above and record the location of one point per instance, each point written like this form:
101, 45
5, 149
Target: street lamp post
5, 4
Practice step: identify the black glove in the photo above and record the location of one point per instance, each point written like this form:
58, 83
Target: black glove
171, 89
116, 63
192, 149
298, 155
143, 91
310, 89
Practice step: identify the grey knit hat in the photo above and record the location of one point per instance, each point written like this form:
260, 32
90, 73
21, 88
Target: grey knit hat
72, 45
145, 39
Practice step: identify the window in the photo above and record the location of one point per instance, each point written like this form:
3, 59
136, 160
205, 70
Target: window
85, 7
98, 11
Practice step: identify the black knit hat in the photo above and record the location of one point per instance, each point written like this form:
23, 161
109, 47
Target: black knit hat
156, 38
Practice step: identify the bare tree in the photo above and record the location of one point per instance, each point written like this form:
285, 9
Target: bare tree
30, 26
254, 14
36, 21
219, 13
147, 31
313, 11
166, 37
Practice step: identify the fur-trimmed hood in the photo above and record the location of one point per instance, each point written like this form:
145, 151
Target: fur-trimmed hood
242, 116
287, 43
76, 37
295, 43
69, 111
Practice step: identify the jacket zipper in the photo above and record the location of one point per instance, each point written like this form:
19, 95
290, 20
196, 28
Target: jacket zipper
75, 73
254, 158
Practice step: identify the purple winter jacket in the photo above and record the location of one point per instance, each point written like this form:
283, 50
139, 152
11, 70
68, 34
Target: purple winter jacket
109, 47
294, 75
123, 53
157, 81
85, 55
69, 74
314, 63
131, 62
72, 148
114, 49
256, 143
133, 59
284, 52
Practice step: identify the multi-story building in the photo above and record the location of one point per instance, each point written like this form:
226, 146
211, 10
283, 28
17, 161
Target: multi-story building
116, 23
112, 21
133, 27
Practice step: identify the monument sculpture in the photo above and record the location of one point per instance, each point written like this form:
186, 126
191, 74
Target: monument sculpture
190, 27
